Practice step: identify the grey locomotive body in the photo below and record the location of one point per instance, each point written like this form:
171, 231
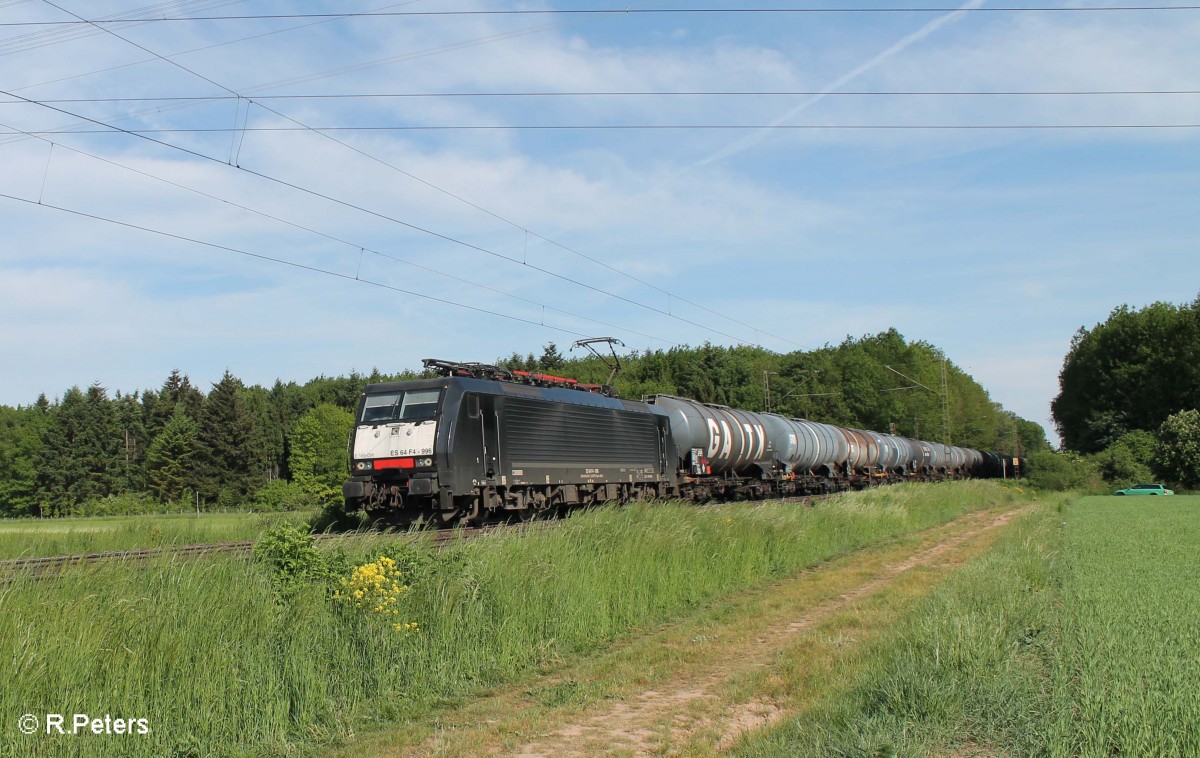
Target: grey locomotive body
457, 447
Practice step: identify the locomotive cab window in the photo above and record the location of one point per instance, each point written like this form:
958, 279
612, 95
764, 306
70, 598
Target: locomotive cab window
472, 406
387, 407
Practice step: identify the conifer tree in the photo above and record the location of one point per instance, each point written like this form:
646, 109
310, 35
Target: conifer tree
81, 449
176, 389
20, 449
226, 460
171, 459
128, 415
551, 359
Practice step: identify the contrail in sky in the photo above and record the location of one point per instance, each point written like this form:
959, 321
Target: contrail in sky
757, 137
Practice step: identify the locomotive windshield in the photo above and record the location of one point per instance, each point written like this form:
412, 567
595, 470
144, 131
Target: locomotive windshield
413, 405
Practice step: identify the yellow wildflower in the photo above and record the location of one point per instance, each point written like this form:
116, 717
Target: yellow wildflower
374, 588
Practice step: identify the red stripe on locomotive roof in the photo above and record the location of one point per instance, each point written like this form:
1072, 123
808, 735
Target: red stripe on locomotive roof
547, 377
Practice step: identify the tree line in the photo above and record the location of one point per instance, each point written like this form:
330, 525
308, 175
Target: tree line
237, 446
880, 382
1129, 394
240, 446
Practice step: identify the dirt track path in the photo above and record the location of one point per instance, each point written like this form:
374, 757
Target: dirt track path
637, 725
696, 686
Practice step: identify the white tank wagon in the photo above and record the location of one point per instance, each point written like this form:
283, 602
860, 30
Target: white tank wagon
726, 452
891, 454
719, 440
914, 454
813, 448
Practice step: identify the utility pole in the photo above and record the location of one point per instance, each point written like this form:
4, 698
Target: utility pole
944, 393
945, 406
1016, 450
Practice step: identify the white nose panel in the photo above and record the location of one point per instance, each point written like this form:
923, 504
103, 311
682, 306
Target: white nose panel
395, 440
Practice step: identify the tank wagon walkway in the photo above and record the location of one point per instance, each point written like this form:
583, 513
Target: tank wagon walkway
695, 686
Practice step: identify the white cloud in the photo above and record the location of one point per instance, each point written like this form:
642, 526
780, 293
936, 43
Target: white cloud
954, 238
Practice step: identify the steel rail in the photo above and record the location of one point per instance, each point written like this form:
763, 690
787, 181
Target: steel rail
41, 567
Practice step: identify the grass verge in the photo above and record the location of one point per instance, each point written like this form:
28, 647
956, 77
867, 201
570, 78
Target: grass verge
28, 538
1076, 635
1128, 664
222, 657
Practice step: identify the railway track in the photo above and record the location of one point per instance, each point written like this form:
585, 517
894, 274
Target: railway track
48, 566
37, 567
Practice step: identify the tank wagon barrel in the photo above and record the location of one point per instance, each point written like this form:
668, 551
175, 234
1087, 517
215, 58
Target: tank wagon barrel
814, 447
730, 441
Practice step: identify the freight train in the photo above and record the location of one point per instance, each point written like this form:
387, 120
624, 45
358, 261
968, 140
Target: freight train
480, 442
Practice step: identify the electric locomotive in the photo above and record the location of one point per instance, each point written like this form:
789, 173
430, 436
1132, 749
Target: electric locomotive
480, 440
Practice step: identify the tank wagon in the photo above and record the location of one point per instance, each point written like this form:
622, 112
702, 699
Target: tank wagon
481, 442
727, 452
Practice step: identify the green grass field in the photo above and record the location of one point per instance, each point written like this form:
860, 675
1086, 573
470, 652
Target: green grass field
27, 538
222, 658
1129, 655
1076, 635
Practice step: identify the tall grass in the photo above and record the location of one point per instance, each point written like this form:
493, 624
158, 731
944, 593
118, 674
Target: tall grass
221, 658
26, 538
1130, 651
966, 665
1076, 635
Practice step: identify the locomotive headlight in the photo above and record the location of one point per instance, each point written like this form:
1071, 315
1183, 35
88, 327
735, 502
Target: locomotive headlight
426, 461
363, 465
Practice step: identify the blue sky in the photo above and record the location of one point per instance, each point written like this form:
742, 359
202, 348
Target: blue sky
995, 245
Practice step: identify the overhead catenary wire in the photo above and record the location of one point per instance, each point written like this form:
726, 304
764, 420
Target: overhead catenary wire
656, 126
326, 133
392, 219
259, 99
505, 220
52, 33
348, 243
488, 39
292, 264
194, 49
433, 186
477, 41
527, 232
618, 12
360, 208
596, 127
614, 93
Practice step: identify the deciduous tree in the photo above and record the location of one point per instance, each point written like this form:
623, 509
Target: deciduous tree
318, 451
1131, 372
1177, 456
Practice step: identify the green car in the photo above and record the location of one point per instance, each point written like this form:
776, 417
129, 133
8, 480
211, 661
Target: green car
1145, 489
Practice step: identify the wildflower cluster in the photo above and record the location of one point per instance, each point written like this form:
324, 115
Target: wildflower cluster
375, 588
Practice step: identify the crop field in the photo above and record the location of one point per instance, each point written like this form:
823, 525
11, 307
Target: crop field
1129, 666
1076, 635
28, 538
299, 648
